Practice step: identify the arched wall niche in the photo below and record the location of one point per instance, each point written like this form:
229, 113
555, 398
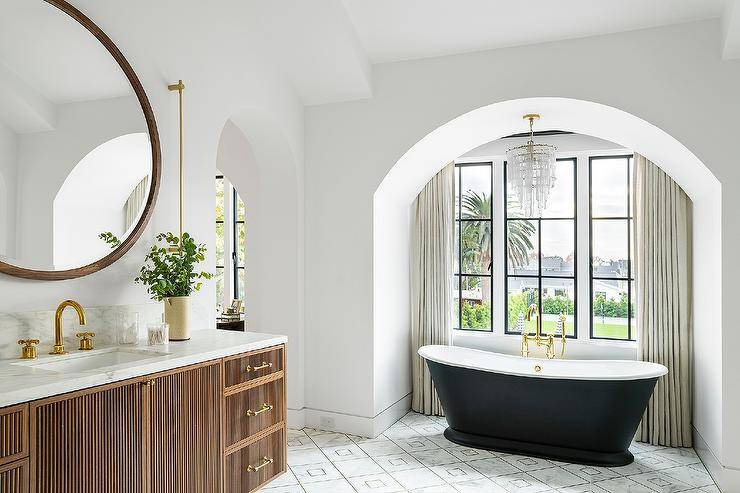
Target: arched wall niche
257, 158
391, 225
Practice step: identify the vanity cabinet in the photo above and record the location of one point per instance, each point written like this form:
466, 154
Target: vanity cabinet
180, 430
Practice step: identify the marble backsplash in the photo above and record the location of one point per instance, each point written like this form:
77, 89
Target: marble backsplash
103, 320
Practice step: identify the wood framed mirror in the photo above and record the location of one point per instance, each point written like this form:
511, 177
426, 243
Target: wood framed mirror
79, 149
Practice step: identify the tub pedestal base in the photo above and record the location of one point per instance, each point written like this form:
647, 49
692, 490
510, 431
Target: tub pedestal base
588, 457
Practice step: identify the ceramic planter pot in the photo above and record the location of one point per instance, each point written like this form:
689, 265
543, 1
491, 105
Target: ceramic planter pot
177, 315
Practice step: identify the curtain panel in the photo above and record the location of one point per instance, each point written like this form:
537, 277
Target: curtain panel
432, 256
662, 212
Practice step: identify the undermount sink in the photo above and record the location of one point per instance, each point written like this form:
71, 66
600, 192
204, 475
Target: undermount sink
98, 359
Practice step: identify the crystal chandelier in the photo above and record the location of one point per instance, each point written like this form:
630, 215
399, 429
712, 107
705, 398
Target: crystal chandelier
531, 172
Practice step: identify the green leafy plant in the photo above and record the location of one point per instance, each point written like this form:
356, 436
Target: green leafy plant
170, 268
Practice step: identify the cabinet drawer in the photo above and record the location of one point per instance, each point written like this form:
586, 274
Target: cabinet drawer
14, 477
243, 368
13, 433
252, 466
251, 411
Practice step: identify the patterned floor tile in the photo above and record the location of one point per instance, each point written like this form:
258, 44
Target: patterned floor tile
313, 473
412, 479
456, 472
376, 483
398, 462
413, 456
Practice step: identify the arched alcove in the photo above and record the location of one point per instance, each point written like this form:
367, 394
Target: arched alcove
258, 160
393, 199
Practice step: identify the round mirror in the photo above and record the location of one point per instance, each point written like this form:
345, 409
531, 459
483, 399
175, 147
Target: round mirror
79, 151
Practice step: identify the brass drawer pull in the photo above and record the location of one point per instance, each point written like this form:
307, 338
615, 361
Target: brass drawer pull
264, 365
265, 407
265, 461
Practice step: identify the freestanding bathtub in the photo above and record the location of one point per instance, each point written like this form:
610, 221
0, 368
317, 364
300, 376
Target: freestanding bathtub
582, 411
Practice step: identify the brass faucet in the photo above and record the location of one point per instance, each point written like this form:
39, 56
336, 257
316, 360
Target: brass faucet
58, 338
548, 342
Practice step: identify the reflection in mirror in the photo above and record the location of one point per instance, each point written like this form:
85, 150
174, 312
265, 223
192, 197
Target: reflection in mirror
75, 155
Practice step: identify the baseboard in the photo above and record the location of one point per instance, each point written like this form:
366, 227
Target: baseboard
349, 423
727, 478
297, 418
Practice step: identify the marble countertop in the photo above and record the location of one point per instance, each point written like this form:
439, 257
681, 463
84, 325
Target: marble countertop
28, 380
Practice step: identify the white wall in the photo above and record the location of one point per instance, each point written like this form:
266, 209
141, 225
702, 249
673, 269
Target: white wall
8, 177
671, 77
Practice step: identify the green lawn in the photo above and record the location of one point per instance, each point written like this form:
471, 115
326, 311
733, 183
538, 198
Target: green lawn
613, 331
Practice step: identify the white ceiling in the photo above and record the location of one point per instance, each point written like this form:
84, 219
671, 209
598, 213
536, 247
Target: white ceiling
393, 30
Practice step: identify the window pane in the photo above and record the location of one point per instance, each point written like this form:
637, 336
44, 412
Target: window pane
609, 187
522, 292
633, 311
219, 199
457, 193
561, 199
240, 241
456, 264
240, 212
240, 283
558, 247
476, 303
522, 247
456, 302
476, 188
558, 297
220, 244
610, 309
219, 277
476, 247
609, 247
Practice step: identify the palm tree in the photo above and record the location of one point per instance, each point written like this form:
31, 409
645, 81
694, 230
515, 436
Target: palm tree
476, 236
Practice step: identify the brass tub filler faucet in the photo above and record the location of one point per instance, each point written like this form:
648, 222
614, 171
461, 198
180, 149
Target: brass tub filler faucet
58, 337
548, 342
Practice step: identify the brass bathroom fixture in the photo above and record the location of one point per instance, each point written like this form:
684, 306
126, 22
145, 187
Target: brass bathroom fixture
548, 342
264, 462
179, 87
265, 408
85, 338
58, 337
28, 351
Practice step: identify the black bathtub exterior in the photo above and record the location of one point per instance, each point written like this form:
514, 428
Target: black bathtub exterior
581, 421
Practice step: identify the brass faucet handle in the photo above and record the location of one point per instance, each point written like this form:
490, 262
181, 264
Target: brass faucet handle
85, 340
28, 351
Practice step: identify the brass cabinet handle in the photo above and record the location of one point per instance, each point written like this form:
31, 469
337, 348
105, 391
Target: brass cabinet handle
148, 383
265, 461
264, 365
265, 407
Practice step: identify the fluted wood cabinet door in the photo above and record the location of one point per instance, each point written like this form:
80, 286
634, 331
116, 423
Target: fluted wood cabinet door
14, 477
185, 430
89, 441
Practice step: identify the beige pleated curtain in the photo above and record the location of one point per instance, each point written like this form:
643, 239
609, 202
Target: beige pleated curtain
662, 212
432, 256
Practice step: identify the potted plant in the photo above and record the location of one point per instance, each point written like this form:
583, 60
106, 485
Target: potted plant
170, 275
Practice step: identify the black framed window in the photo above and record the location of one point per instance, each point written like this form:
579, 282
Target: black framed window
473, 278
540, 261
611, 239
233, 250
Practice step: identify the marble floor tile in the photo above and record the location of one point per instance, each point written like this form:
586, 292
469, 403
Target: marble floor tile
339, 453
333, 486
313, 473
358, 467
520, 483
376, 483
413, 456
457, 472
493, 466
412, 479
557, 477
398, 462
